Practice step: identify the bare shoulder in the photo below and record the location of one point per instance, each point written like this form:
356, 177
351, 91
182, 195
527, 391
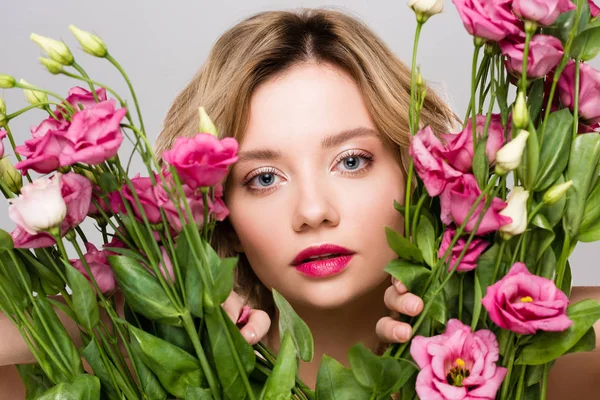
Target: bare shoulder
583, 292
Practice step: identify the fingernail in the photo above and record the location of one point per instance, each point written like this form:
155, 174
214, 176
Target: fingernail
414, 305
402, 332
400, 286
249, 335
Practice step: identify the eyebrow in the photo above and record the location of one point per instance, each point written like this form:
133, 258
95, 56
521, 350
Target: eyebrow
327, 143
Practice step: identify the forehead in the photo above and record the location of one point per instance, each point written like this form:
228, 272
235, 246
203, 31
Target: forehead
309, 101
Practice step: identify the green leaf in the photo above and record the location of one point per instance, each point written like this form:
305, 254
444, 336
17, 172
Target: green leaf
334, 382
196, 393
478, 292
535, 98
414, 277
548, 346
6, 242
151, 386
283, 379
45, 316
194, 288
585, 154
530, 162
224, 280
403, 247
567, 280
13, 296
82, 387
554, 149
175, 369
553, 213
426, 241
108, 182
534, 374
542, 238
565, 22
547, 264
59, 305
586, 343
41, 263
589, 230
485, 266
383, 375
84, 298
142, 291
290, 322
586, 44
227, 369
438, 310
481, 164
176, 335
11, 267
35, 380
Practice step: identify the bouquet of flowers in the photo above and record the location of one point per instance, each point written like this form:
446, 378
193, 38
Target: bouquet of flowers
489, 260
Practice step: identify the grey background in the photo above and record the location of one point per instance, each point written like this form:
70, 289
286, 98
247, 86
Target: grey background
161, 44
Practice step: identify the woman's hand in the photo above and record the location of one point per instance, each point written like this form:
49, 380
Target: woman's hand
258, 321
398, 300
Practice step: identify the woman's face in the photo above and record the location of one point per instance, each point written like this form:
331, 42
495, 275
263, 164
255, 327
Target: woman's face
313, 171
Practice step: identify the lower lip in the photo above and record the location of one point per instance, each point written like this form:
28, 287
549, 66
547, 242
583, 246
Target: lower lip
322, 268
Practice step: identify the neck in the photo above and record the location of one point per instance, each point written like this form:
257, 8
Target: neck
335, 331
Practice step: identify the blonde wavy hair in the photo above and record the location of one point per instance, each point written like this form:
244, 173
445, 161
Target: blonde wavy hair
269, 43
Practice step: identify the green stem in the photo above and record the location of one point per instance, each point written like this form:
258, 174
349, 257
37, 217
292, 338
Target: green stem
544, 388
520, 384
460, 296
416, 218
561, 265
205, 221
483, 67
135, 100
188, 324
64, 102
473, 90
14, 148
528, 35
509, 365
85, 75
576, 98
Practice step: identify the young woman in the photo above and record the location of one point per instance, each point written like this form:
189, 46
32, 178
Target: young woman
319, 105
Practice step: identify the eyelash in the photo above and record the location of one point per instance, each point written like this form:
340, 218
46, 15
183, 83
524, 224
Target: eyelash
368, 157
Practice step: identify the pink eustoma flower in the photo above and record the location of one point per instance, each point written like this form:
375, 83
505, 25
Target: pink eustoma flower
545, 52
95, 133
43, 154
524, 303
458, 198
459, 147
202, 160
594, 9
76, 191
469, 260
145, 192
426, 150
99, 267
489, 19
458, 364
545, 12
2, 136
589, 91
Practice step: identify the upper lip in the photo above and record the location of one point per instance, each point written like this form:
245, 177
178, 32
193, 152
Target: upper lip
315, 251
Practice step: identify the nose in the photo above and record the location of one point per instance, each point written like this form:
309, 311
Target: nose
315, 206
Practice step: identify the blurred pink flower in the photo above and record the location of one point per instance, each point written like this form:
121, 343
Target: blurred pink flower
545, 52
99, 267
589, 91
469, 261
2, 136
523, 303
458, 198
459, 147
544, 12
489, 19
457, 364
202, 160
426, 150
594, 9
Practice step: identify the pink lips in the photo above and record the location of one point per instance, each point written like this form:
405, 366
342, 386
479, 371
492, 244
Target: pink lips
335, 259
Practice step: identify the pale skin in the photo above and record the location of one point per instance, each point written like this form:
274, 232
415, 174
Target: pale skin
317, 195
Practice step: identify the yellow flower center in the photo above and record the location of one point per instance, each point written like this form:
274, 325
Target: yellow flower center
460, 362
526, 299
458, 374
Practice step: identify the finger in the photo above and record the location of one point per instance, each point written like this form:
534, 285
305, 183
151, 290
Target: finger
406, 303
392, 331
257, 327
399, 286
233, 306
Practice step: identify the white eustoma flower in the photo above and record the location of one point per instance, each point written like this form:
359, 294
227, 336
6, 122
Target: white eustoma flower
509, 156
427, 7
40, 207
517, 211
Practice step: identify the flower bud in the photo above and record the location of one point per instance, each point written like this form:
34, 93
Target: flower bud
426, 8
517, 211
40, 207
3, 120
419, 80
57, 50
10, 175
7, 81
52, 66
33, 96
510, 155
90, 43
556, 192
2, 106
520, 114
206, 124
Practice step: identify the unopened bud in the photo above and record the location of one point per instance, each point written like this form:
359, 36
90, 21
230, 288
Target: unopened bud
34, 97
556, 192
206, 124
2, 106
10, 175
7, 81
3, 120
52, 66
419, 80
516, 210
90, 43
520, 115
509, 156
56, 50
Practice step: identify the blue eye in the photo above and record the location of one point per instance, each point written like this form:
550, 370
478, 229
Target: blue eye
353, 162
265, 180
262, 179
